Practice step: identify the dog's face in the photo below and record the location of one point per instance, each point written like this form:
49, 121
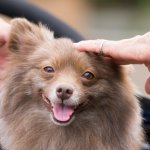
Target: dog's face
67, 75
65, 80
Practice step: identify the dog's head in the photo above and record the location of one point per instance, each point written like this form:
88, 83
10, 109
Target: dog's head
67, 82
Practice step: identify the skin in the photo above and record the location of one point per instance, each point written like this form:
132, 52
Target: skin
4, 32
135, 50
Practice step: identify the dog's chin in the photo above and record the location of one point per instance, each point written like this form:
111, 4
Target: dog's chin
60, 114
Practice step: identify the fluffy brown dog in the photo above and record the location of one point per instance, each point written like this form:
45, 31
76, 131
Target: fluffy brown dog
56, 98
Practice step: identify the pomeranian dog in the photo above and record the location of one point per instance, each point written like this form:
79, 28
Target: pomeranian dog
56, 98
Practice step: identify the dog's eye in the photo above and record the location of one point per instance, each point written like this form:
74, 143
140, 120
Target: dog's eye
88, 75
48, 69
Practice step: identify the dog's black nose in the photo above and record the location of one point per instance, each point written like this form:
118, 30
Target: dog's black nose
64, 92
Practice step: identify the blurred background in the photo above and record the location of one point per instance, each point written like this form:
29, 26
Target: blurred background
106, 19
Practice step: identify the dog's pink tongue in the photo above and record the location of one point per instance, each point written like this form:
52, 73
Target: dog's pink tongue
62, 112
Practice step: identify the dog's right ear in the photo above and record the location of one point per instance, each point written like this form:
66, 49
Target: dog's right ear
26, 36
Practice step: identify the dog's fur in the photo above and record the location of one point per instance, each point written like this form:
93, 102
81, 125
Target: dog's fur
108, 117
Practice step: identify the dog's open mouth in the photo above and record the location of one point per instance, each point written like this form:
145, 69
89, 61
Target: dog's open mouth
61, 113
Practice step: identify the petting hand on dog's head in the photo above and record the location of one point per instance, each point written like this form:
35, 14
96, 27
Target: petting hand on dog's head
135, 50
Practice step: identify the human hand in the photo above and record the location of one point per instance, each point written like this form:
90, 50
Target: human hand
4, 33
128, 51
135, 50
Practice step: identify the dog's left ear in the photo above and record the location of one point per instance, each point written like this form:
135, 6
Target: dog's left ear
26, 36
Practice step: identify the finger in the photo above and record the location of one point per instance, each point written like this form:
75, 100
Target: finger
85, 45
89, 45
